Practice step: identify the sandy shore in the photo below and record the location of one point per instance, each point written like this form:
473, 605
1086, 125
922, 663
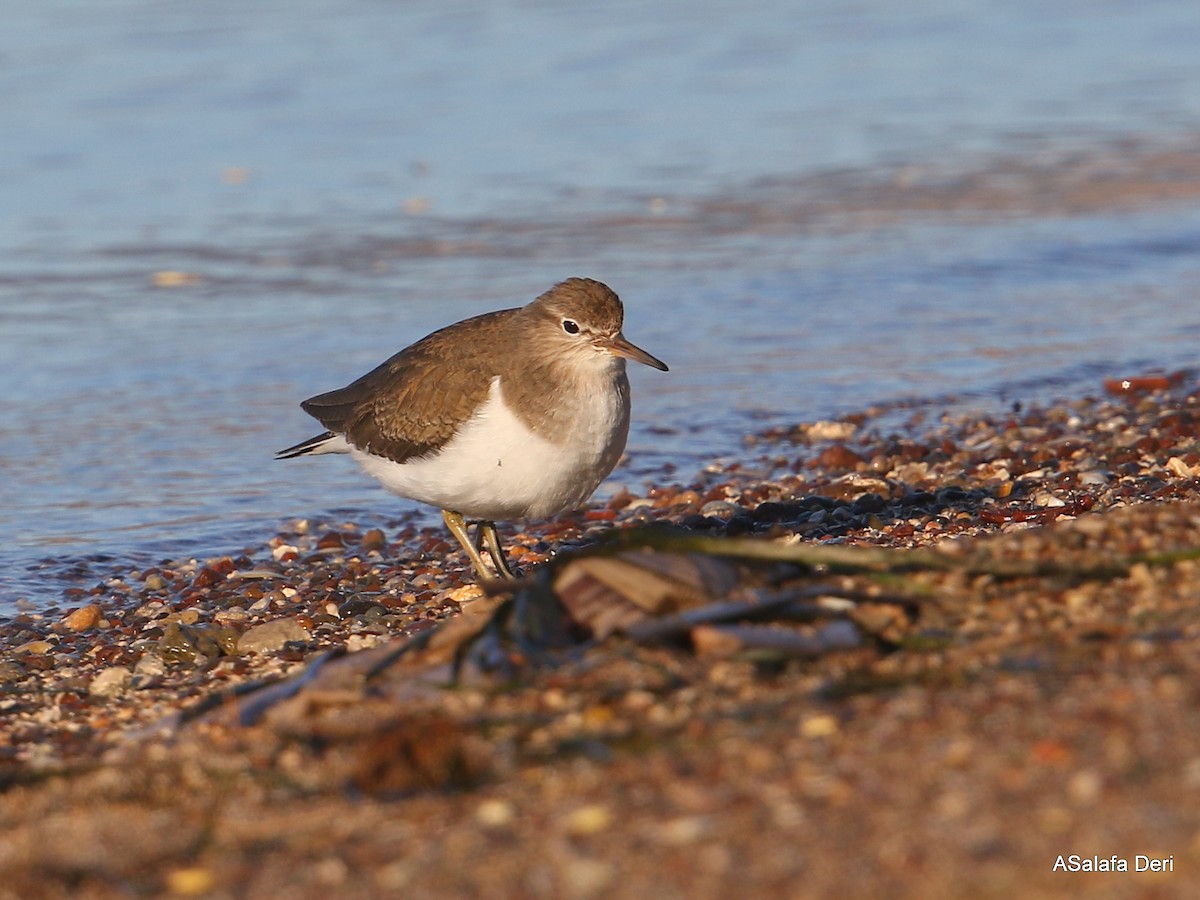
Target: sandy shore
995, 664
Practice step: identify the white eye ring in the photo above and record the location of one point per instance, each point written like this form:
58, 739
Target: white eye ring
570, 326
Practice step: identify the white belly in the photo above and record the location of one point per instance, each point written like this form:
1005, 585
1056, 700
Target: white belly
497, 468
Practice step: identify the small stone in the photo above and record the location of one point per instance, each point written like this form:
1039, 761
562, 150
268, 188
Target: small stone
270, 637
591, 819
639, 503
1047, 500
828, 431
148, 672
374, 539
588, 877
708, 641
151, 610
720, 509
495, 813
1084, 787
190, 882
820, 726
358, 606
11, 671
465, 594
356, 642
110, 682
331, 540
183, 643
839, 456
83, 618
683, 830
1178, 467
34, 648
185, 617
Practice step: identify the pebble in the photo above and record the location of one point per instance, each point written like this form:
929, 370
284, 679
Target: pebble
584, 877
1177, 466
640, 503
151, 610
185, 643
186, 617
829, 431
466, 593
591, 819
83, 618
190, 882
720, 509
110, 682
148, 672
1084, 787
684, 830
155, 582
11, 671
270, 637
820, 726
357, 642
34, 648
495, 813
1046, 499
839, 456
374, 539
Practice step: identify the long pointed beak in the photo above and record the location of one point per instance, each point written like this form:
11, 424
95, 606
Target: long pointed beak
622, 347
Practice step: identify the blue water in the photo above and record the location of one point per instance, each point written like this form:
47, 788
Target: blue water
341, 178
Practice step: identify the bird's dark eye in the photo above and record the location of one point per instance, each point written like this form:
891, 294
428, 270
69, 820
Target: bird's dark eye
570, 326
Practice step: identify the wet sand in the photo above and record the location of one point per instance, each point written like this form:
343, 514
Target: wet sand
993, 665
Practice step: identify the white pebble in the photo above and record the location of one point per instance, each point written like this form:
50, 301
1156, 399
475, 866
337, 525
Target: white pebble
110, 682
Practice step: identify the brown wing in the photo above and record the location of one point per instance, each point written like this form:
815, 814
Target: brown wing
414, 403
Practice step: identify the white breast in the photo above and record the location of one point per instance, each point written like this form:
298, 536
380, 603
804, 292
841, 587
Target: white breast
497, 468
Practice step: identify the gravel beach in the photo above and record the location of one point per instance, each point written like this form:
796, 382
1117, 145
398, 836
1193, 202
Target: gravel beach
969, 648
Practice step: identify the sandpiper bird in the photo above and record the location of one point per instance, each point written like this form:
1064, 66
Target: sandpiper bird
512, 414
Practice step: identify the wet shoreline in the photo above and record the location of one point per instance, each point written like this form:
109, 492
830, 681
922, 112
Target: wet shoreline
1065, 545
1046, 501
168, 448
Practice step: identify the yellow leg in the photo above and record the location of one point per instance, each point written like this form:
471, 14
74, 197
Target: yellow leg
492, 540
458, 527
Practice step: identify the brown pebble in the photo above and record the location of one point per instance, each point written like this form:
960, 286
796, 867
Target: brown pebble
712, 642
374, 539
33, 648
83, 618
331, 540
1142, 384
839, 456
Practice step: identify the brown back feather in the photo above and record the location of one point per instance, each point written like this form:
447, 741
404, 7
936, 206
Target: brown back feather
412, 404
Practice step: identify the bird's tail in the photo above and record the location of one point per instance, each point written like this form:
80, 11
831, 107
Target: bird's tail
322, 443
